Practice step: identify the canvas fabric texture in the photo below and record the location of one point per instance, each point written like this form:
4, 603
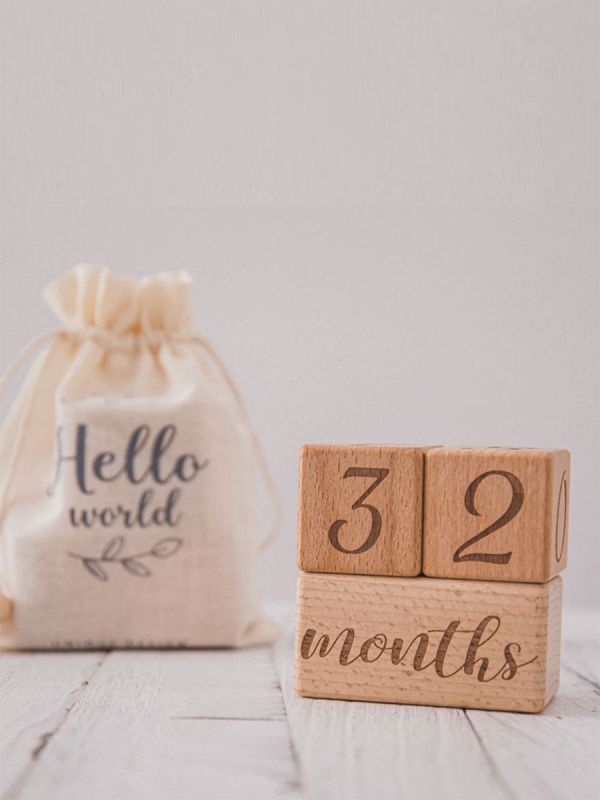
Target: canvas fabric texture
128, 480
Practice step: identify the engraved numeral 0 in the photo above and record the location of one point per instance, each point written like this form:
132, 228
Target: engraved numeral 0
510, 513
334, 531
562, 498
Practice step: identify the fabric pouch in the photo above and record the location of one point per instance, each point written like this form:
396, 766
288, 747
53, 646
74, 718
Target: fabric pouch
127, 479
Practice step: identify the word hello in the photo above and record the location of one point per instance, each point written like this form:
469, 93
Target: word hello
144, 460
374, 648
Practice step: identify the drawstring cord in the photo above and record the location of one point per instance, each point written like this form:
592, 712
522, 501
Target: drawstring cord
10, 371
11, 465
258, 450
108, 338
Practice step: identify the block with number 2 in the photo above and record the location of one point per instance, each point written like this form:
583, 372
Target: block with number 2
496, 513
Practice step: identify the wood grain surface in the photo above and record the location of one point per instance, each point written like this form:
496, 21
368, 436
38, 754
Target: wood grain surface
355, 750
227, 725
143, 724
360, 509
427, 641
496, 513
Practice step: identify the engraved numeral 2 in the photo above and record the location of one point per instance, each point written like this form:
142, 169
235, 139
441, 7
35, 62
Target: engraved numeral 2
334, 530
511, 512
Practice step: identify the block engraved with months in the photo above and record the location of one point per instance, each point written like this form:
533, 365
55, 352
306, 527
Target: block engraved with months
468, 644
360, 509
496, 513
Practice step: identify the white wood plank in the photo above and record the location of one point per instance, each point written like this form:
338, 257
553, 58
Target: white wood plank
555, 754
37, 691
361, 750
212, 724
172, 725
386, 751
583, 657
580, 624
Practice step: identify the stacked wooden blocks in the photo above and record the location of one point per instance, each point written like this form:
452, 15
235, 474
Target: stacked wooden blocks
430, 575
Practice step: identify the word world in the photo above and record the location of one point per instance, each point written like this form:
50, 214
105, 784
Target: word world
145, 459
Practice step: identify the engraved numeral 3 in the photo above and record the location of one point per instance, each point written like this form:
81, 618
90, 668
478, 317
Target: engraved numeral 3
361, 472
511, 512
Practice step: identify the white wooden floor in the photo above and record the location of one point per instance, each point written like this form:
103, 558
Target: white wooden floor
226, 724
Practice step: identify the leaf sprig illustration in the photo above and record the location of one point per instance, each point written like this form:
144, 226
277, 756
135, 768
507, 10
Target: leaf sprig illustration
133, 564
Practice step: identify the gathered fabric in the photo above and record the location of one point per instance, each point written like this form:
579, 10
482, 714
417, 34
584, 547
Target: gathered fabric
127, 487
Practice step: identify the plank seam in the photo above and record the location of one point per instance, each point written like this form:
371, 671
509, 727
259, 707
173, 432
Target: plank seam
594, 684
236, 719
296, 785
496, 772
17, 786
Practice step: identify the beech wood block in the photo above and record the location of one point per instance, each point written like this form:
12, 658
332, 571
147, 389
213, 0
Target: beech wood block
5, 608
360, 509
469, 644
496, 513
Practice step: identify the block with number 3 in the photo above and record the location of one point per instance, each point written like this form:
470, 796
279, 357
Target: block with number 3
360, 509
496, 513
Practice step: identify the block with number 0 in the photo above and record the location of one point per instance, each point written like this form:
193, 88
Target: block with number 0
496, 513
360, 509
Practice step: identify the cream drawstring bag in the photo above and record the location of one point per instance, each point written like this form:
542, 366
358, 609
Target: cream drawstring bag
127, 479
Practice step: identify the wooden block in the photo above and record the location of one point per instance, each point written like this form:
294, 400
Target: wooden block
5, 608
425, 641
496, 513
360, 509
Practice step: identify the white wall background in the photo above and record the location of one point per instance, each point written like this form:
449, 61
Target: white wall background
390, 210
